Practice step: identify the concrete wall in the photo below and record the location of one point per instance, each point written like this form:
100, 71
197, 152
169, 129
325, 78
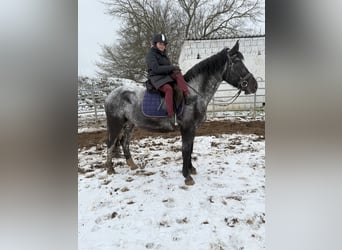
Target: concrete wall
253, 49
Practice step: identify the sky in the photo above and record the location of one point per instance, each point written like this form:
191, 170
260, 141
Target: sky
94, 29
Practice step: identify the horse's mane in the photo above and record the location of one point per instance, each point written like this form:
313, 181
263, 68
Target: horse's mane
209, 65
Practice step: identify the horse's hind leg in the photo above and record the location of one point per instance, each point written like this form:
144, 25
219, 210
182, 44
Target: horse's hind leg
110, 155
117, 150
126, 137
114, 127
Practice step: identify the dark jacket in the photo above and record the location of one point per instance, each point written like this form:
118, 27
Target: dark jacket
159, 67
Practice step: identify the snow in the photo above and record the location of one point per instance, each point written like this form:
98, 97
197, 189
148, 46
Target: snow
152, 208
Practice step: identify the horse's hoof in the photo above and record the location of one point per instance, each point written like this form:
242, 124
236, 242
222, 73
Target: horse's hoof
132, 165
117, 154
193, 170
189, 181
110, 170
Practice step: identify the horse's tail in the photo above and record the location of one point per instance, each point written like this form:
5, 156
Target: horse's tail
116, 117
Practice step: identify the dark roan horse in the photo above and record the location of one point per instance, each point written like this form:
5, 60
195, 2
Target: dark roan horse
123, 107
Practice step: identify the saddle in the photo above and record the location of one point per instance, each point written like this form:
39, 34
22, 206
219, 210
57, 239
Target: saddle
153, 104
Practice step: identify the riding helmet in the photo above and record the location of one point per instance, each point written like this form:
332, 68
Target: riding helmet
161, 38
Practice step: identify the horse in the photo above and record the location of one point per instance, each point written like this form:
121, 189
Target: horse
123, 107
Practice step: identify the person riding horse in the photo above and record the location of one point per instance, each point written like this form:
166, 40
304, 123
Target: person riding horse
162, 74
123, 106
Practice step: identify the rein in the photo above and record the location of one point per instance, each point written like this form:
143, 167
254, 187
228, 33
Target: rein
194, 89
231, 100
242, 84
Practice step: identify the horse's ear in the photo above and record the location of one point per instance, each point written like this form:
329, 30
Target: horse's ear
234, 49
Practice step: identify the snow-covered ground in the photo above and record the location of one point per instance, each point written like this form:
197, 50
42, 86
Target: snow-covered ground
151, 208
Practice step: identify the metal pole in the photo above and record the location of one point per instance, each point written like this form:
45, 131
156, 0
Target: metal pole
254, 106
214, 115
93, 95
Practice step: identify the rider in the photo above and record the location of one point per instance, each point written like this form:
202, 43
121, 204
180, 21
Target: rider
162, 73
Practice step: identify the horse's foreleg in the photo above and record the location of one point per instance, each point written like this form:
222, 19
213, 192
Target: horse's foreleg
192, 168
128, 128
187, 146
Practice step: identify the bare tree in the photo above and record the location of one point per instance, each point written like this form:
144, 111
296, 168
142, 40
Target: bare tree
107, 65
221, 18
179, 20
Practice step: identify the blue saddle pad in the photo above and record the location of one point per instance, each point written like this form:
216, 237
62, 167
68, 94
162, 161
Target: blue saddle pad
152, 105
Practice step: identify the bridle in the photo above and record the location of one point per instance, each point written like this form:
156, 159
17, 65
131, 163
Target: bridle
242, 84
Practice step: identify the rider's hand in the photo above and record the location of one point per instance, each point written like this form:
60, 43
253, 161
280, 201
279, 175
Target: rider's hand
176, 68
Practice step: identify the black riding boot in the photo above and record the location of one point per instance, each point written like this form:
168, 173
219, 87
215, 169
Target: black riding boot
173, 119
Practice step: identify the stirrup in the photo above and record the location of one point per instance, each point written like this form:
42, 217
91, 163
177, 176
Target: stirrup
173, 119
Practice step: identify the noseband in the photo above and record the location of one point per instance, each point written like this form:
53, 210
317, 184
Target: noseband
243, 83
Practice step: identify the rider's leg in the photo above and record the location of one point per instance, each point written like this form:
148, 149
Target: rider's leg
167, 89
181, 83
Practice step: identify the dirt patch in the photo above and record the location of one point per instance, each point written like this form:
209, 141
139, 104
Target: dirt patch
212, 128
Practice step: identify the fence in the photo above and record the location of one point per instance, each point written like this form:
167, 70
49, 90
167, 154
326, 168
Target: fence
91, 103
246, 106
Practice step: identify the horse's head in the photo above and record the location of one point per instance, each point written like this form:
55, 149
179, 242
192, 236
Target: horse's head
237, 73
